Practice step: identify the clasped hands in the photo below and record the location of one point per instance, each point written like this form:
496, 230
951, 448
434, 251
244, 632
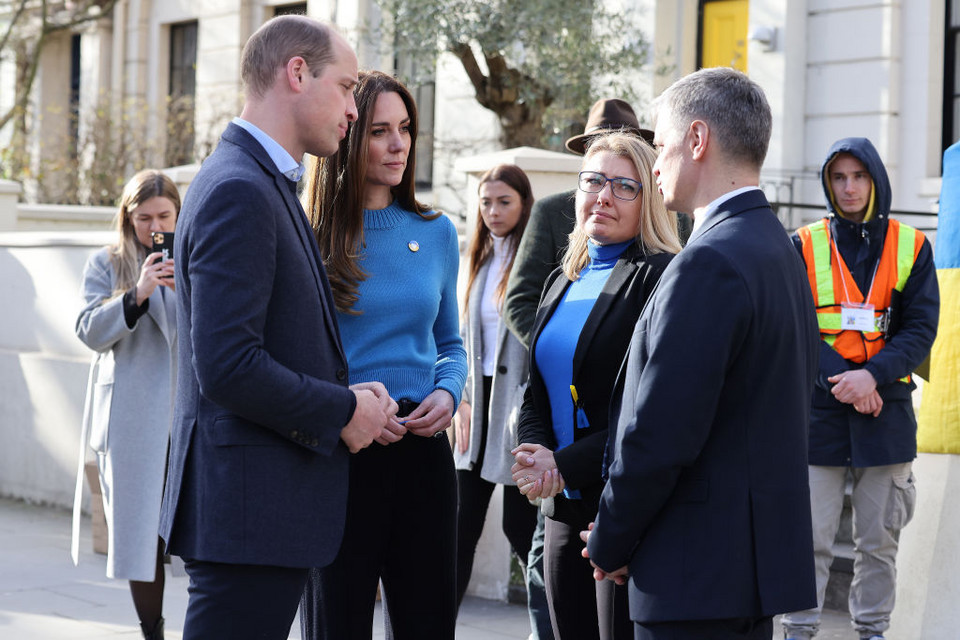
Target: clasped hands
619, 576
859, 388
375, 417
535, 471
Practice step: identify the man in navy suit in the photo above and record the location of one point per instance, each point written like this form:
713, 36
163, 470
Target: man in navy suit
706, 509
264, 420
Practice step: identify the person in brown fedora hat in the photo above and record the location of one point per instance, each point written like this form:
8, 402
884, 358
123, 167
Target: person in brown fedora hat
608, 114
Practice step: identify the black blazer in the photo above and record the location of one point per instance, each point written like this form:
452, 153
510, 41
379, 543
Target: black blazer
257, 472
600, 351
707, 499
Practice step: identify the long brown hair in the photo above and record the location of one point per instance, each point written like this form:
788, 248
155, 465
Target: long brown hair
481, 246
657, 232
128, 254
335, 187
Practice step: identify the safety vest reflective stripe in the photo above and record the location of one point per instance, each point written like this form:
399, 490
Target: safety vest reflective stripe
829, 280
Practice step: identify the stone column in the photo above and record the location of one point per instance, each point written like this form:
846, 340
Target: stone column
9, 196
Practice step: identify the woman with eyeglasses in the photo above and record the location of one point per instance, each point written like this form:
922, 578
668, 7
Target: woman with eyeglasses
623, 240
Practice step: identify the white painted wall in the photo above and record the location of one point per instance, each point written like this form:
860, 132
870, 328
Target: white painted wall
43, 366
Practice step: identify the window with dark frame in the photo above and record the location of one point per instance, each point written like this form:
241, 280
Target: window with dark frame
74, 123
422, 87
297, 8
181, 93
951, 76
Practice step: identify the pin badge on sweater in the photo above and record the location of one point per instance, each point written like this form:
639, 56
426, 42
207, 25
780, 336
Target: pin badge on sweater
413, 245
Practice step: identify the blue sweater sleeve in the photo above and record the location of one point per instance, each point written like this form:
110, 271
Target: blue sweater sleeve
451, 371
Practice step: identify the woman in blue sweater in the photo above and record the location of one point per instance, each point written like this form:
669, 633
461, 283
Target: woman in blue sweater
623, 240
392, 265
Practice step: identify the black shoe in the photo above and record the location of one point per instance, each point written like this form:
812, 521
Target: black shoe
156, 633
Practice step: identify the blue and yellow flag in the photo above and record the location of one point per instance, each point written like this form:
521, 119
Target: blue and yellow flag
939, 422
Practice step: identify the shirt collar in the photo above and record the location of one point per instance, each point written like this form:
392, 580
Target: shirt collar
714, 206
285, 163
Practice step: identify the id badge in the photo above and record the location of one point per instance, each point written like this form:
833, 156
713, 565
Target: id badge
857, 317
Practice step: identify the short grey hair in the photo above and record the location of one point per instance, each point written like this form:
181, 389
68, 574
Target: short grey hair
733, 106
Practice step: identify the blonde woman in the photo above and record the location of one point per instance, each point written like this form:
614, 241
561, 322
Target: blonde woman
623, 240
129, 320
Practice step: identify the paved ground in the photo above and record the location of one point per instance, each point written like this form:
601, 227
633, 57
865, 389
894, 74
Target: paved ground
44, 597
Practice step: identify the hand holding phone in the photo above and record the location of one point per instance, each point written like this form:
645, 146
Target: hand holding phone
163, 243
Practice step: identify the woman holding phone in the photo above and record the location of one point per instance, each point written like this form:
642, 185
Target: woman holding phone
129, 320
392, 264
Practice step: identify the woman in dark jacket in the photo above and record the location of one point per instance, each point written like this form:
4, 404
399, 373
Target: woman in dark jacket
622, 242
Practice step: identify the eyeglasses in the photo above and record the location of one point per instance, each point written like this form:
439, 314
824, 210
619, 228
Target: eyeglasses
623, 188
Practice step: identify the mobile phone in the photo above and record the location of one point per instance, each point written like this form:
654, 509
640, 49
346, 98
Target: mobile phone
163, 243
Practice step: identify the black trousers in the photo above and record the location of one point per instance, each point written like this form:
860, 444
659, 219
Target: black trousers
519, 515
729, 629
580, 607
519, 522
242, 602
401, 530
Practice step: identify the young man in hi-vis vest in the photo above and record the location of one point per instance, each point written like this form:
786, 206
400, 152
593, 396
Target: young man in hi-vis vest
875, 289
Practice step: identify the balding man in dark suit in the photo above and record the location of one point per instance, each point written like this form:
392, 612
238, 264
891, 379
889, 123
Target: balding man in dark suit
264, 419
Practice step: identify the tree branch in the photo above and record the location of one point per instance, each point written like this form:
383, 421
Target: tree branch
469, 61
12, 24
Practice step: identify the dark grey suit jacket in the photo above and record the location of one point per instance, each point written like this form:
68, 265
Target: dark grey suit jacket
257, 472
707, 499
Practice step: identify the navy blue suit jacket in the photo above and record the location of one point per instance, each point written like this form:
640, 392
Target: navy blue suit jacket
707, 499
257, 472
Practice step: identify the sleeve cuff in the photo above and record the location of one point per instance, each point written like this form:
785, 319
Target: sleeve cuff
132, 312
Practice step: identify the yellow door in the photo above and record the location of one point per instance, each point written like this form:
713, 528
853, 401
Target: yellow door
725, 33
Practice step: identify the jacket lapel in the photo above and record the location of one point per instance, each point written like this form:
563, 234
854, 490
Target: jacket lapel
548, 305
161, 314
622, 272
298, 218
309, 243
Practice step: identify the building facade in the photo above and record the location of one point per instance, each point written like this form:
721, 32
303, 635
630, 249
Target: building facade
831, 68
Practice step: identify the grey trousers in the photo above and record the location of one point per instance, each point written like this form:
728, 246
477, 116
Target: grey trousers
883, 501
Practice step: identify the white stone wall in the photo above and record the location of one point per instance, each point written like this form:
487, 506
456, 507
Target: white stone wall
43, 366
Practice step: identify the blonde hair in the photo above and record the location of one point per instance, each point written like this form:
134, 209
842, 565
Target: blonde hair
128, 254
657, 232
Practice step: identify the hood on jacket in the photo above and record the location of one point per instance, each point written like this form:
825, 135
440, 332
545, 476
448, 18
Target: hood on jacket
864, 151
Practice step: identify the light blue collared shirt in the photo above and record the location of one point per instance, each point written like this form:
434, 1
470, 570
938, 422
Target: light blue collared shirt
715, 205
286, 163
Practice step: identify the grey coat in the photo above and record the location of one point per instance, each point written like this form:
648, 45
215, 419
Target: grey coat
506, 394
127, 415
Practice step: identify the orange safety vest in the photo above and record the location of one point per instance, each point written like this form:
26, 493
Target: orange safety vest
831, 282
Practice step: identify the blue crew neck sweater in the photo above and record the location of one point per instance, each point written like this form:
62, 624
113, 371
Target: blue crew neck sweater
407, 335
557, 343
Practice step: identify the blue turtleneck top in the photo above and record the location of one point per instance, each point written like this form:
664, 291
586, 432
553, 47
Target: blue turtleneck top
555, 347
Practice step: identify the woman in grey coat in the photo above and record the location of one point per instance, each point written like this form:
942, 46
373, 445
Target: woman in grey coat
485, 422
129, 320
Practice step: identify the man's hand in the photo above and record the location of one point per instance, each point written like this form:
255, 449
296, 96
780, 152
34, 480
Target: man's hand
392, 431
461, 423
374, 409
872, 405
434, 414
853, 386
619, 576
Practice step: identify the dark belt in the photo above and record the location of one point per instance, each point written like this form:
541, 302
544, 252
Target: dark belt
405, 407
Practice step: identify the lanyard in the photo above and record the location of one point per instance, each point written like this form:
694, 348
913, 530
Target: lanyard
873, 278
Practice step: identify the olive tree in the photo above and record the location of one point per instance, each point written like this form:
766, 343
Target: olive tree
537, 64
